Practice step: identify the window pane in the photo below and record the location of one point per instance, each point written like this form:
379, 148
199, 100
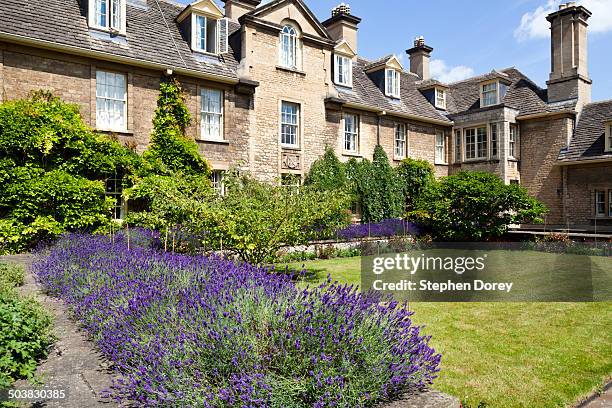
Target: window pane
400, 141
110, 101
600, 203
201, 32
211, 36
350, 132
100, 13
212, 114
289, 123
457, 146
440, 147
494, 139
116, 14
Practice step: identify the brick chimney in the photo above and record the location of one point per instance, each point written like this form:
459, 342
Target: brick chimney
569, 76
419, 58
342, 25
234, 9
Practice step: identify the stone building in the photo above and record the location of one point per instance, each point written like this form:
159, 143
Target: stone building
270, 85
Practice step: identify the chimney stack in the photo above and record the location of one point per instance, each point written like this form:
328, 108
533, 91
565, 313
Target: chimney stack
234, 9
569, 76
419, 58
342, 25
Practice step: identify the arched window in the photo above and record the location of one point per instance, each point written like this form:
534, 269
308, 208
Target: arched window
289, 47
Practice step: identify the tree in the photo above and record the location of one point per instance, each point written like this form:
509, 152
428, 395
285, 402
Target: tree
413, 177
475, 206
170, 150
377, 188
327, 173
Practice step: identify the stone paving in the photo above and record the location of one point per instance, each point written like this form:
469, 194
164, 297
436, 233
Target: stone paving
73, 363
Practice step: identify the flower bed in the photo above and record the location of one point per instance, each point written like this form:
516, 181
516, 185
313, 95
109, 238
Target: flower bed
386, 228
206, 332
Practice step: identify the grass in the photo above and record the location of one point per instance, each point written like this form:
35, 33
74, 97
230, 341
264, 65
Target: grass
508, 354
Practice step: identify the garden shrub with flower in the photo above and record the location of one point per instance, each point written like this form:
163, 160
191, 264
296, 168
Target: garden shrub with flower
386, 228
207, 332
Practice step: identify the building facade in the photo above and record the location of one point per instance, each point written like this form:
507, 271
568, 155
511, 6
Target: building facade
270, 86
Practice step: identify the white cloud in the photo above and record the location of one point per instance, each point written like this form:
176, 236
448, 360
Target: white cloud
534, 23
442, 72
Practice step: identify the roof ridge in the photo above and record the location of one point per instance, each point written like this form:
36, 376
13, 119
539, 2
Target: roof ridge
599, 102
481, 76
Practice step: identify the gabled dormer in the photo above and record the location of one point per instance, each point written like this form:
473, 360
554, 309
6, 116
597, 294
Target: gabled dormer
343, 64
436, 93
107, 15
205, 27
493, 89
386, 73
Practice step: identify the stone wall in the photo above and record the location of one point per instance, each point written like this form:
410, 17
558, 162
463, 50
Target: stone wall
541, 141
581, 181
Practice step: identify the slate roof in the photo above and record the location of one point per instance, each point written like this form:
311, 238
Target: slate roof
152, 33
588, 142
366, 92
523, 95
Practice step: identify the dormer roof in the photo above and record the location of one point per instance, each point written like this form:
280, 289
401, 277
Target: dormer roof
389, 61
206, 7
588, 142
344, 48
431, 83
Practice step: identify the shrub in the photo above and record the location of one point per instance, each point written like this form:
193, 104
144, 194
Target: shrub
24, 329
475, 206
327, 173
385, 228
196, 331
413, 177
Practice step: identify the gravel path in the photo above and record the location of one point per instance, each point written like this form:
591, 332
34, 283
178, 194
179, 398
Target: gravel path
73, 363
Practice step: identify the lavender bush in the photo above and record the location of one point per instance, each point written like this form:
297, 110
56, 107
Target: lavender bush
386, 228
206, 332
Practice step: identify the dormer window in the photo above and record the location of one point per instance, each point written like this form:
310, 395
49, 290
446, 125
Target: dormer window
392, 83
492, 93
608, 147
440, 98
107, 15
289, 47
343, 72
203, 21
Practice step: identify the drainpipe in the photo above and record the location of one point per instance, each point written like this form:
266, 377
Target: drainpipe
378, 120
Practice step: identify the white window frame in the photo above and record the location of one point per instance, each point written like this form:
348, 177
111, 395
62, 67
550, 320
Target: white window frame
400, 144
486, 93
608, 141
494, 139
392, 83
206, 113
114, 189
440, 98
351, 136
600, 200
343, 70
196, 37
216, 178
106, 124
458, 145
290, 124
112, 21
440, 148
479, 140
512, 141
288, 57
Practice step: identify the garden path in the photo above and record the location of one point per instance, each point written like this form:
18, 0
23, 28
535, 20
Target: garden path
73, 364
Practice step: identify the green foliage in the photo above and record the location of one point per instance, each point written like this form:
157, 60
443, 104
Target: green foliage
51, 171
413, 177
378, 188
24, 329
256, 219
24, 337
327, 173
475, 206
170, 150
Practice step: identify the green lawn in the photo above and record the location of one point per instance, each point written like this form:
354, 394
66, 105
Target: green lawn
509, 354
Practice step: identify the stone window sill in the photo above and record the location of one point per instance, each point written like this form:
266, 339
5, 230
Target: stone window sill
292, 148
116, 132
352, 154
213, 141
291, 70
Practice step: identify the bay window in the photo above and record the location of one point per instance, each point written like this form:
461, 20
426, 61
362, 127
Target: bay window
111, 101
343, 71
392, 83
351, 132
212, 114
458, 146
400, 141
290, 119
476, 143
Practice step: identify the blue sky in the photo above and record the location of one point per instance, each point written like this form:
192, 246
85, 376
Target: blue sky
473, 37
